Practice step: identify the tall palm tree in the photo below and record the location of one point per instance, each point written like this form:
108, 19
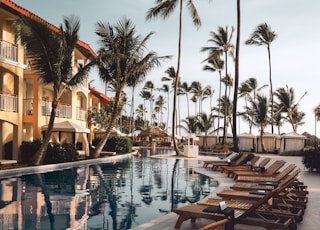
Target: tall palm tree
133, 81
164, 8
160, 102
222, 45
52, 60
264, 36
166, 88
216, 64
236, 85
246, 88
171, 75
150, 86
260, 115
184, 90
197, 90
122, 55
286, 104
145, 96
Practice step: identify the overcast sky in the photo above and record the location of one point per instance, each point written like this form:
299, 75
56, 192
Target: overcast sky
294, 53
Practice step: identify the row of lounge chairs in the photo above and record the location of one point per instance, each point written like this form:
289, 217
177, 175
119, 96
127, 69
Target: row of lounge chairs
270, 196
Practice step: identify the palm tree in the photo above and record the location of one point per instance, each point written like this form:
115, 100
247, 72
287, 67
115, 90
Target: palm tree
160, 102
171, 75
191, 124
246, 88
145, 96
316, 111
287, 105
216, 64
260, 115
196, 89
52, 60
150, 86
264, 36
222, 44
205, 123
236, 85
133, 81
164, 8
184, 90
166, 88
122, 55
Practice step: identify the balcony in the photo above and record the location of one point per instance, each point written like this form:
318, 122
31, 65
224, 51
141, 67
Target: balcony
8, 102
80, 114
8, 51
62, 110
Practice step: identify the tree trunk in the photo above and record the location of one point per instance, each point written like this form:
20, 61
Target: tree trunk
236, 84
95, 153
39, 156
176, 85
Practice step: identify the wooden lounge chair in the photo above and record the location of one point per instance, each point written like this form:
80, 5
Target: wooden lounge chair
249, 165
269, 171
249, 215
226, 160
262, 182
233, 159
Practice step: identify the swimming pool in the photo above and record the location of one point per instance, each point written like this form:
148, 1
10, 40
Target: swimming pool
117, 195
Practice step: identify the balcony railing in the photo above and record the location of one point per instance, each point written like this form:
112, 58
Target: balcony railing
8, 102
8, 51
62, 110
80, 114
28, 106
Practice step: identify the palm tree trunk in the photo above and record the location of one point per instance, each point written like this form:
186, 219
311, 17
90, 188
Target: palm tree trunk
219, 105
176, 85
271, 89
95, 153
236, 84
39, 156
225, 103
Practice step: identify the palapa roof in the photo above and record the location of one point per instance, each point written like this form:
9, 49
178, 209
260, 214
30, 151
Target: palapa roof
153, 132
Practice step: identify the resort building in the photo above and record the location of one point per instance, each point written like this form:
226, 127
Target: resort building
25, 104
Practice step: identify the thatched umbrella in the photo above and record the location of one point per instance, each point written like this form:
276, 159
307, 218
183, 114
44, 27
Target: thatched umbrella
153, 132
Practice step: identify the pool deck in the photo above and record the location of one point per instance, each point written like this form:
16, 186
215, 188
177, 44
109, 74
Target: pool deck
311, 219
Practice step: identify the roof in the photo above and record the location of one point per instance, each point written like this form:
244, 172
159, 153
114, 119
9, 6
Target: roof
293, 135
84, 48
104, 99
67, 126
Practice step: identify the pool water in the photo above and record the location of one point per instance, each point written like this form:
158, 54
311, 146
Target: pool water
117, 195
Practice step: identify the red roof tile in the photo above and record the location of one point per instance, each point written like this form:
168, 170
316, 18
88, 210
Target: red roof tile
82, 46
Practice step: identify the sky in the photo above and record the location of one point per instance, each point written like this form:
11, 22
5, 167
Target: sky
294, 53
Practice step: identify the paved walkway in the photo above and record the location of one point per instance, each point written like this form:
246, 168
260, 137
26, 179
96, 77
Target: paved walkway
311, 219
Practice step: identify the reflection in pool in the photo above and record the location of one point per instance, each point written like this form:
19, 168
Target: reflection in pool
117, 195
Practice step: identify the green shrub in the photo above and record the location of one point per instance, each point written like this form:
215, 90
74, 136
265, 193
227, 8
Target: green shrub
8, 150
59, 153
311, 160
116, 144
56, 153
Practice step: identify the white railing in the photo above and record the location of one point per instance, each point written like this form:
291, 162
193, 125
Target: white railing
62, 110
8, 102
8, 51
80, 114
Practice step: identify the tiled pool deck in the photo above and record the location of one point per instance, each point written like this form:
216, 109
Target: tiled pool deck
311, 218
